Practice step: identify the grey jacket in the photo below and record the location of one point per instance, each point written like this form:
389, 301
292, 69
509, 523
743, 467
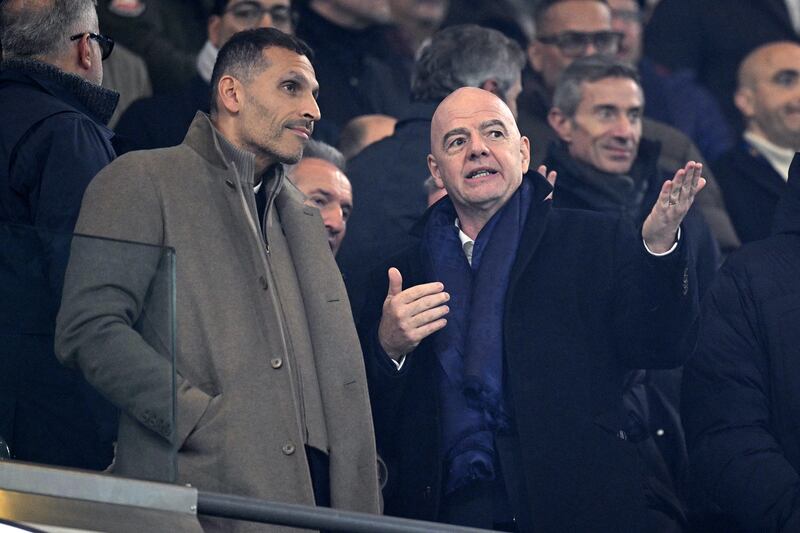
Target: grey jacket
267, 360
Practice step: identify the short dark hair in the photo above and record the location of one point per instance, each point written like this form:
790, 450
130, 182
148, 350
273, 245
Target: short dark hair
543, 6
569, 91
243, 55
465, 56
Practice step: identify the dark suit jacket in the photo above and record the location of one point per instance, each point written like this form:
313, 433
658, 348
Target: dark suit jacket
582, 292
741, 390
751, 188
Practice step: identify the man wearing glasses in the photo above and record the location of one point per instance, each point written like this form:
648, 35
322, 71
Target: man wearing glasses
53, 141
162, 120
568, 29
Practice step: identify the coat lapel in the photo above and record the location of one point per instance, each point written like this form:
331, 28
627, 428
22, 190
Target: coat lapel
337, 354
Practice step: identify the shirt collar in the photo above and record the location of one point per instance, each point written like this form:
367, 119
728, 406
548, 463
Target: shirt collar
779, 157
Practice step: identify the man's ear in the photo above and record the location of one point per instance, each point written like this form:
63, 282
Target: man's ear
214, 22
86, 53
229, 94
433, 168
743, 99
491, 86
561, 123
525, 152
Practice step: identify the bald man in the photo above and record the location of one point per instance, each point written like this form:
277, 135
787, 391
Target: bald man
496, 345
753, 174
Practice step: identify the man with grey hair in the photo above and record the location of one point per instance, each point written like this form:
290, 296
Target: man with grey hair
320, 175
388, 176
52, 143
604, 164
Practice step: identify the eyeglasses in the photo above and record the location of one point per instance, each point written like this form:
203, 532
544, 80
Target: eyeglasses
106, 43
575, 43
251, 13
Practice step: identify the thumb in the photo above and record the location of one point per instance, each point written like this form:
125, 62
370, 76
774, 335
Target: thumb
395, 282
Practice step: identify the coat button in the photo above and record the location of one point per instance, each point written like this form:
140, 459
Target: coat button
263, 282
276, 363
288, 448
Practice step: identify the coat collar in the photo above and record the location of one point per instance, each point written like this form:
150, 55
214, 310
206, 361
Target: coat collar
92, 100
212, 146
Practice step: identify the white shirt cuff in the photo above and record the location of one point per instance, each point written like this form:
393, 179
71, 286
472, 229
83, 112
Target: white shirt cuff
677, 240
398, 364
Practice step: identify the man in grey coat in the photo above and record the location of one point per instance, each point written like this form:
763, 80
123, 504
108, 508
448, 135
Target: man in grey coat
271, 393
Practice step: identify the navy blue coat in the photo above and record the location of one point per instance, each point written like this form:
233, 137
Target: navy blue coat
583, 293
751, 188
741, 389
52, 143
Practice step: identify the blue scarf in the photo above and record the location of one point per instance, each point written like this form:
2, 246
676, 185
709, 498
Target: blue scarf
470, 348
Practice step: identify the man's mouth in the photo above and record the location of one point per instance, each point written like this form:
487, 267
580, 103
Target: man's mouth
481, 173
301, 129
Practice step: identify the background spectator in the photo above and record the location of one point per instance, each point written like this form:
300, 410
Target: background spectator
753, 175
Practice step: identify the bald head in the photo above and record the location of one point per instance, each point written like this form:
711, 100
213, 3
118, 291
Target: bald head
465, 102
477, 154
768, 95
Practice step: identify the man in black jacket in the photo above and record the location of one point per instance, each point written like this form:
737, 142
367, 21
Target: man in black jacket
604, 164
741, 390
52, 143
497, 374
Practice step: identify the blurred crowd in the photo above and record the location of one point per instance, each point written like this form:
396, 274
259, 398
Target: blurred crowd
628, 108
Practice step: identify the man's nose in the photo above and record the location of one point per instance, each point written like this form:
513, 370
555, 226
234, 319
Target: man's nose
333, 218
266, 21
311, 108
478, 147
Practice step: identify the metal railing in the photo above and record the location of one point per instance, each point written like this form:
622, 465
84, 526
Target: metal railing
320, 518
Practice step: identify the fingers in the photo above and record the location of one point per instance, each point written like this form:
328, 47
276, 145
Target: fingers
685, 184
395, 282
665, 194
550, 177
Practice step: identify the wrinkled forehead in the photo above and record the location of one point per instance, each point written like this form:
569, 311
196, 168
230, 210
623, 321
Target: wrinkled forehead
469, 107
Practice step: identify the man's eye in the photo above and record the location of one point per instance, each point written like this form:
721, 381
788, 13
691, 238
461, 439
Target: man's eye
455, 143
290, 87
496, 134
787, 78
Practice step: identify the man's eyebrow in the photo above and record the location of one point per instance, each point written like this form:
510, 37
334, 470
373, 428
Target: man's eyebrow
494, 122
323, 192
453, 133
302, 79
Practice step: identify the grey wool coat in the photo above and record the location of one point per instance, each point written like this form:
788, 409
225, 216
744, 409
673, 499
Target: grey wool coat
267, 361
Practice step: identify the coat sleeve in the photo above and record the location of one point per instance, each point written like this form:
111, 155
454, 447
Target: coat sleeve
116, 312
655, 302
737, 467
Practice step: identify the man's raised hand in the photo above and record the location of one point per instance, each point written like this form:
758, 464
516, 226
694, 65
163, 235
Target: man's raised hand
676, 197
410, 315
